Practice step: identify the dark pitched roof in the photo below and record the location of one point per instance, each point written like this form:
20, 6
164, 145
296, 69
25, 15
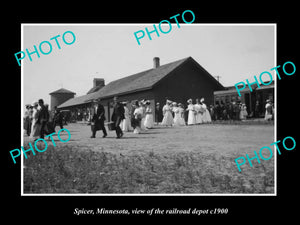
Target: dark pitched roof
62, 91
140, 81
94, 89
83, 99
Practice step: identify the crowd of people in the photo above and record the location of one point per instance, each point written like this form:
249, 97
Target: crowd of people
39, 120
137, 116
173, 114
229, 111
238, 111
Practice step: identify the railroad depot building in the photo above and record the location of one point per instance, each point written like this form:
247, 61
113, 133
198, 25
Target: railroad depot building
177, 81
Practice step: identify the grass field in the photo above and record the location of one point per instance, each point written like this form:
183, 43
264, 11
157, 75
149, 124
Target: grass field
196, 159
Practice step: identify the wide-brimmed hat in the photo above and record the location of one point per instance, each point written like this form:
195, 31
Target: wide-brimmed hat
189, 101
35, 104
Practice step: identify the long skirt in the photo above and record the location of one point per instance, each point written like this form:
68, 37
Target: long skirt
182, 121
149, 123
199, 118
268, 116
126, 125
142, 124
177, 120
243, 114
168, 119
137, 125
208, 117
191, 118
35, 130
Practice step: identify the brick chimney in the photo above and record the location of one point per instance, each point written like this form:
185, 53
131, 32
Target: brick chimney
155, 62
98, 82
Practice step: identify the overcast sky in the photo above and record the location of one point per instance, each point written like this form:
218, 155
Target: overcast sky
110, 51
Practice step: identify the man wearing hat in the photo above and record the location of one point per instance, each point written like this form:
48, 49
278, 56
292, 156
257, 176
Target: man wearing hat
98, 118
118, 116
57, 118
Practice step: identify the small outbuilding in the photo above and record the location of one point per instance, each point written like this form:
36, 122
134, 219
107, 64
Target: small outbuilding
60, 96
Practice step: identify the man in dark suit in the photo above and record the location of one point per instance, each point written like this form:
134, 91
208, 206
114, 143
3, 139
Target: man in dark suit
43, 117
98, 119
58, 118
118, 116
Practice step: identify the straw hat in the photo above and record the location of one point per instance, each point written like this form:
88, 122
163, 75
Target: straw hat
189, 101
35, 104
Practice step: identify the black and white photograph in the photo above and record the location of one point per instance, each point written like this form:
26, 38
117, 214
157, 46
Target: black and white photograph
158, 114
149, 111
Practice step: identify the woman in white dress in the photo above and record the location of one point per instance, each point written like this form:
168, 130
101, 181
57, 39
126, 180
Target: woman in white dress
269, 110
126, 124
149, 122
181, 113
206, 115
177, 115
138, 114
168, 118
35, 126
192, 112
243, 112
143, 110
198, 111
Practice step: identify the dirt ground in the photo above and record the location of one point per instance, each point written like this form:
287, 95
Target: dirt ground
189, 159
221, 138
